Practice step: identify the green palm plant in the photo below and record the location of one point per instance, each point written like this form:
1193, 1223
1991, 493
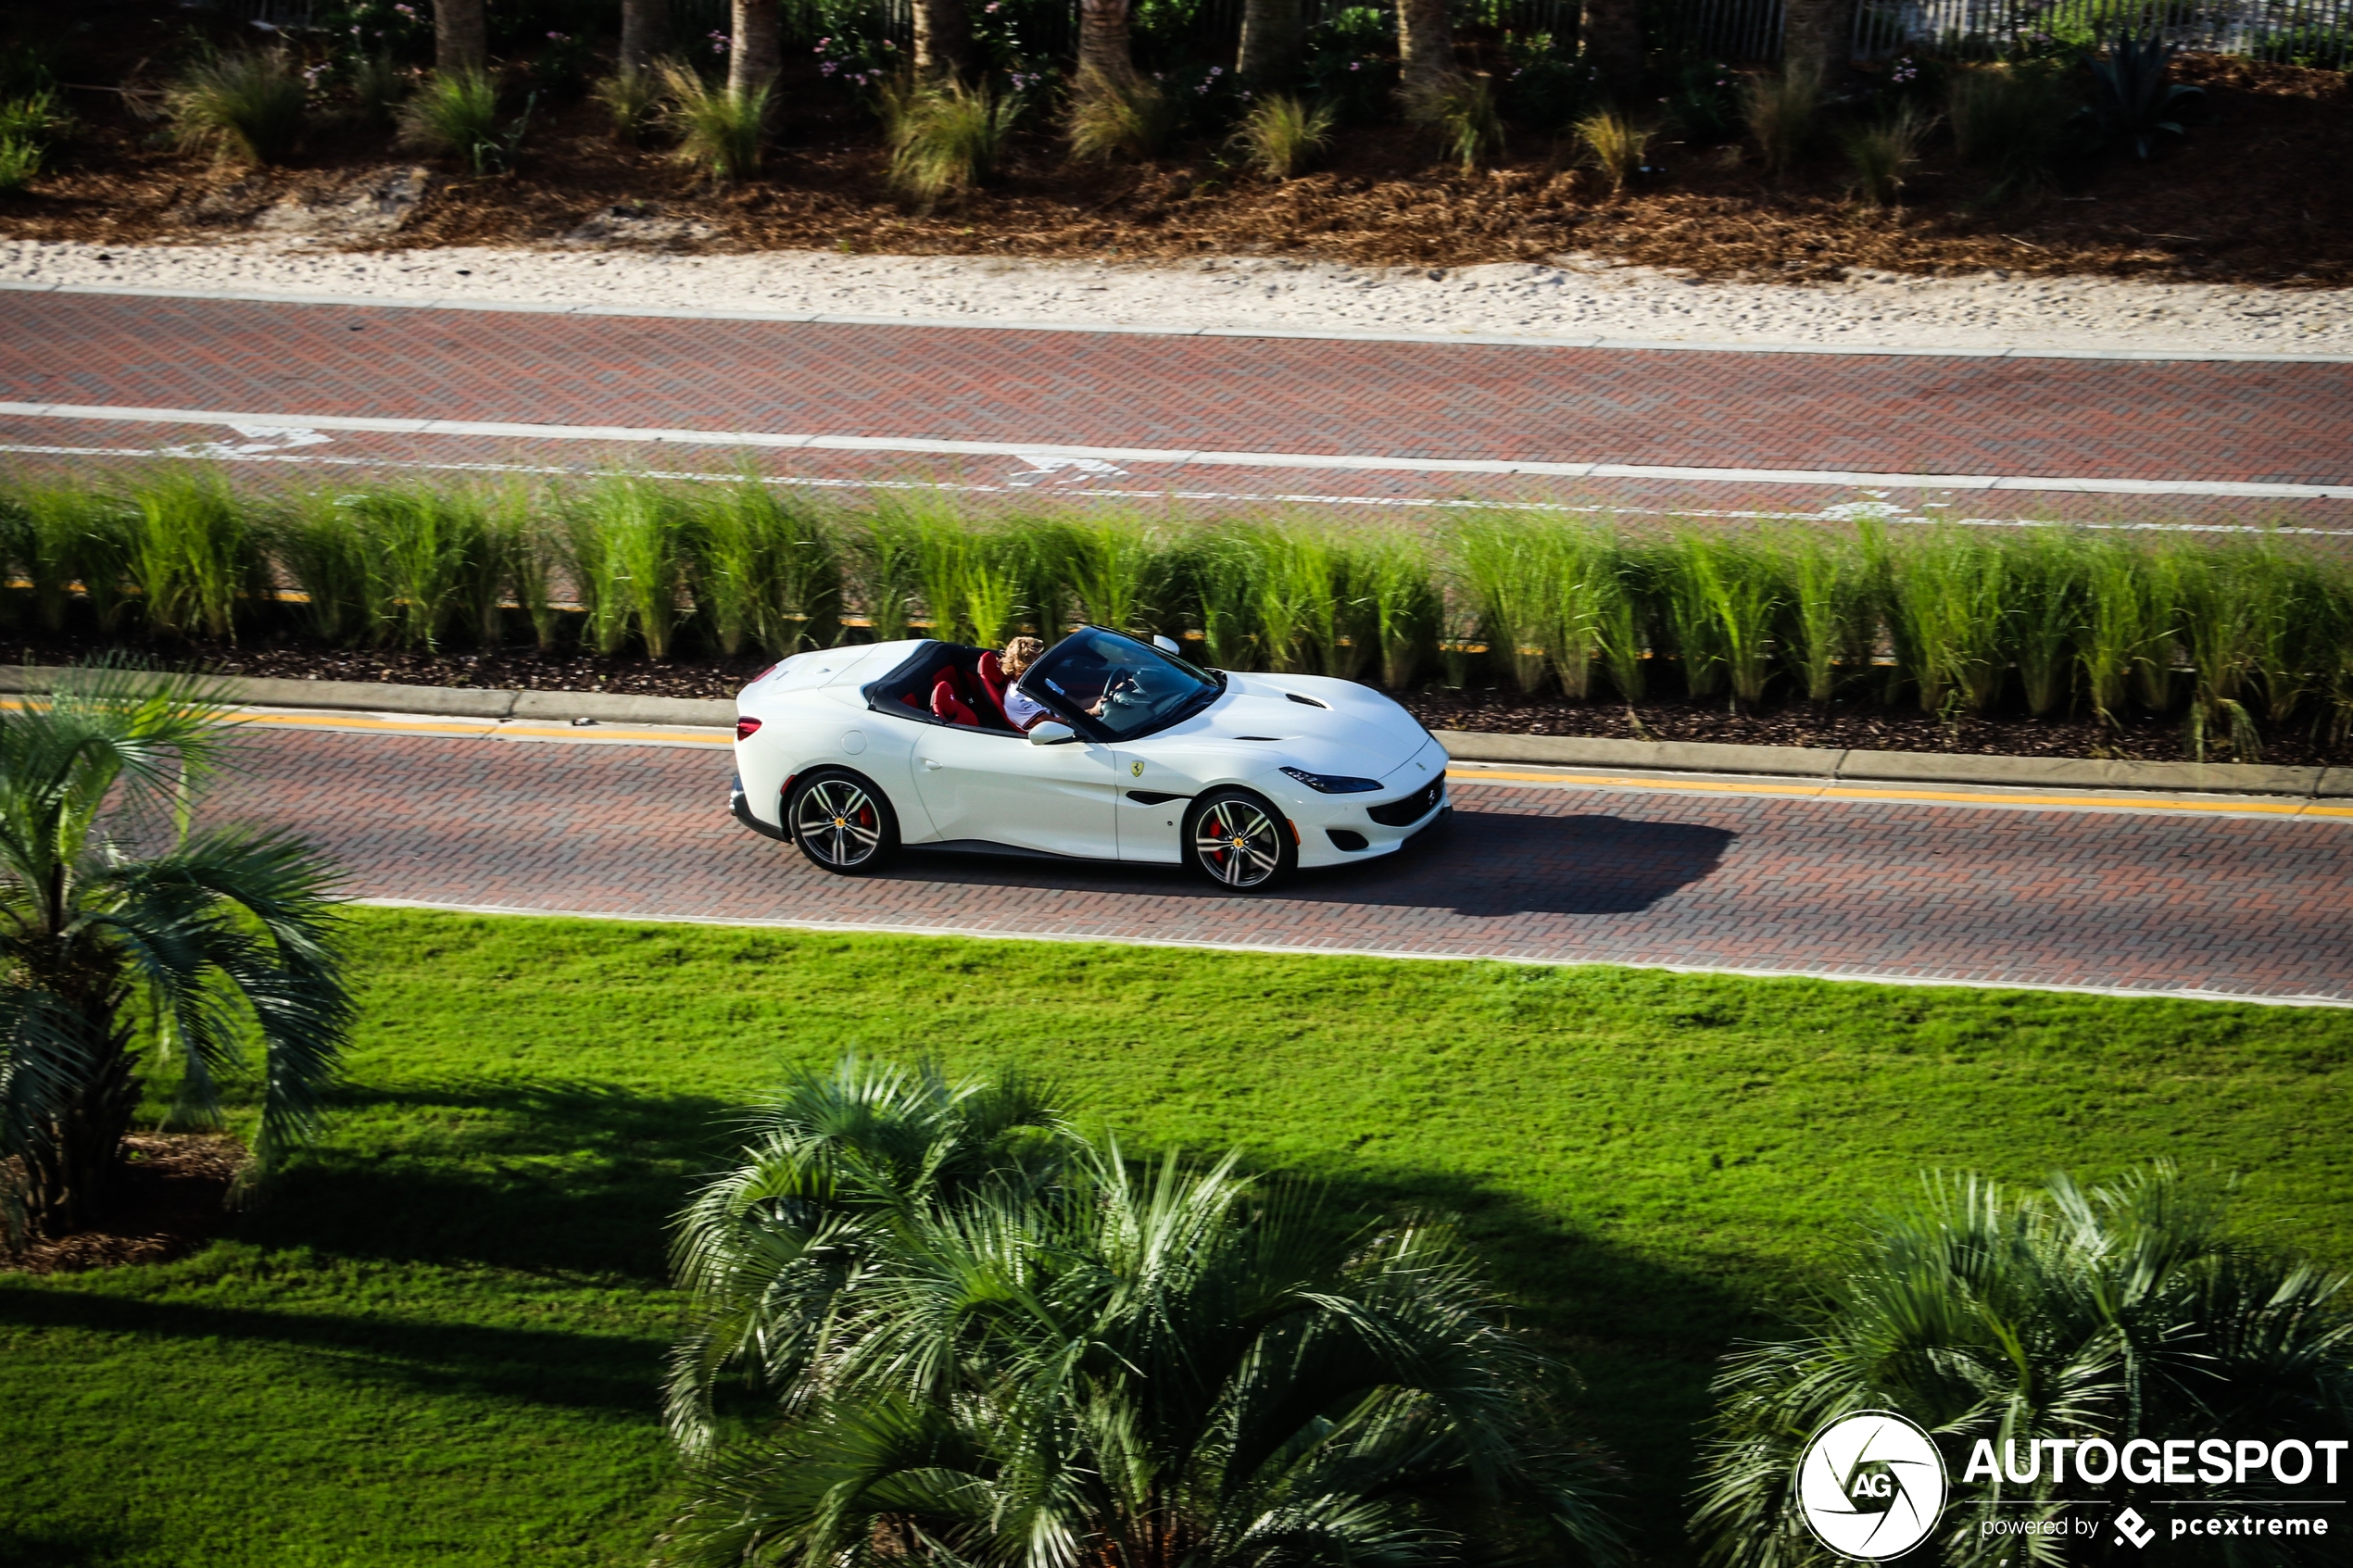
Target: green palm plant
130, 938
889, 569
1227, 568
1174, 1366
824, 1174
1988, 1314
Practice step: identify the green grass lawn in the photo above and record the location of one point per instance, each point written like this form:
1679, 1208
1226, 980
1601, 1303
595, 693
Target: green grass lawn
438, 1342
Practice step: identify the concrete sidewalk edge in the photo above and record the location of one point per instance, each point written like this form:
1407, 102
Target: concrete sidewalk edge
1463, 745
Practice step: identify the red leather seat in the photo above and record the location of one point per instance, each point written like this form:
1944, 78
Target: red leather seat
946, 704
993, 683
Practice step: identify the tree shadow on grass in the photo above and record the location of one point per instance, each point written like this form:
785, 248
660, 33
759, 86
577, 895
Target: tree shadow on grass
564, 1368
542, 1175
63, 1545
1644, 1335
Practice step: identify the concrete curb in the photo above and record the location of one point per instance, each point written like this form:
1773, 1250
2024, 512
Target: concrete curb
1905, 766
439, 702
1463, 745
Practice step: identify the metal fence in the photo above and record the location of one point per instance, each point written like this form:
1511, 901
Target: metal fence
2310, 33
2316, 32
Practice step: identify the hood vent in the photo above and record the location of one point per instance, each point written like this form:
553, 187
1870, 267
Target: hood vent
1306, 701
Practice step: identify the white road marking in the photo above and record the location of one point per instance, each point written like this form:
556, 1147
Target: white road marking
1179, 456
1076, 470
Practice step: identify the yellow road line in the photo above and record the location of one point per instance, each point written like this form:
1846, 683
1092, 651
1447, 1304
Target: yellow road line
1804, 789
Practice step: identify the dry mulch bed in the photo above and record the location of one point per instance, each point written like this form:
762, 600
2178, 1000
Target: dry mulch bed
1846, 722
171, 1199
2247, 197
1850, 724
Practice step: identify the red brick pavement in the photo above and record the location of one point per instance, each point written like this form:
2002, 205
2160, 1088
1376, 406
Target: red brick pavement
2265, 423
983, 482
2143, 902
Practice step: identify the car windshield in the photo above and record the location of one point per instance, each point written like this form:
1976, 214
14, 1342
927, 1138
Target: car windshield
1118, 686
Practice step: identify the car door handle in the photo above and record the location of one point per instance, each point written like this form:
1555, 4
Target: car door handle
930, 762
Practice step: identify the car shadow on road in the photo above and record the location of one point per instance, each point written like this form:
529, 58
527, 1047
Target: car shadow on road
1479, 863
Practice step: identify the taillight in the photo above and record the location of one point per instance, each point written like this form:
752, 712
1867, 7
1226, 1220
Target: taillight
746, 728
765, 673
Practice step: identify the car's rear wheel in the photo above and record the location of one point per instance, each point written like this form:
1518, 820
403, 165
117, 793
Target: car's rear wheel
842, 822
1238, 841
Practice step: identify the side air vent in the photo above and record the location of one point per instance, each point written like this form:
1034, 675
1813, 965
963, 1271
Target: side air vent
1306, 701
1152, 797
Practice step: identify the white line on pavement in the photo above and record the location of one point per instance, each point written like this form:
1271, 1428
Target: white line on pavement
1176, 456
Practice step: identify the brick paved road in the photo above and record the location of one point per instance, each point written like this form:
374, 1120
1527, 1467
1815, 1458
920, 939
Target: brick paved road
997, 481
1912, 414
2139, 901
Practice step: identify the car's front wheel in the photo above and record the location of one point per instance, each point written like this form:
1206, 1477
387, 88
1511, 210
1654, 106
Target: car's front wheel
1238, 841
842, 822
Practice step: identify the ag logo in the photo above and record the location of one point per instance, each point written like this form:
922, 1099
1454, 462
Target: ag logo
1871, 1486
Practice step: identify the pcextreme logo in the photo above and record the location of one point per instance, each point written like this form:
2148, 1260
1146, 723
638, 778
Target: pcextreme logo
1871, 1486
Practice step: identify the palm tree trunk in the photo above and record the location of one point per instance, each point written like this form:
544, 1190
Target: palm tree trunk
1270, 42
461, 36
72, 1167
1818, 34
756, 49
1611, 34
1425, 50
1103, 51
943, 39
645, 28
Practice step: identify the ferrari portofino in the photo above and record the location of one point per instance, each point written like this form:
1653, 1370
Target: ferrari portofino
1140, 755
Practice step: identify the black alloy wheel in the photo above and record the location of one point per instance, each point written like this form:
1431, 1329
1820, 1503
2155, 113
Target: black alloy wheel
842, 822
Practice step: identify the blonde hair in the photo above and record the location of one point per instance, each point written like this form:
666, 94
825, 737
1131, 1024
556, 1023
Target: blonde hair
1021, 653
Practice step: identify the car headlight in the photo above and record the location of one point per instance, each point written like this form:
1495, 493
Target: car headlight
1331, 784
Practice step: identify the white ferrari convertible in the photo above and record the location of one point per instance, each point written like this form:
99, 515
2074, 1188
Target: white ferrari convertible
851, 752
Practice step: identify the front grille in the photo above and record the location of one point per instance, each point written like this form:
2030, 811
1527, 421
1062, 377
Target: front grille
1412, 809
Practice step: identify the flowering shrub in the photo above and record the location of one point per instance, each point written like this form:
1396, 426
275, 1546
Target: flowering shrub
859, 62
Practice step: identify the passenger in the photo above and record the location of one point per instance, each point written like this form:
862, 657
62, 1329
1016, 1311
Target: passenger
1019, 654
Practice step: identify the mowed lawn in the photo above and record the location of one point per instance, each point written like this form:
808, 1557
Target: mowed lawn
438, 1342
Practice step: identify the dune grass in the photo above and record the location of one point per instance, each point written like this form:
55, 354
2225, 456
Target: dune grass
439, 1340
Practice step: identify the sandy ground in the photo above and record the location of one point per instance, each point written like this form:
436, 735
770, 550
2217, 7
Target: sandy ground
1572, 300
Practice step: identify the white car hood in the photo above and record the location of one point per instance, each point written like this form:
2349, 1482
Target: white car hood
1344, 728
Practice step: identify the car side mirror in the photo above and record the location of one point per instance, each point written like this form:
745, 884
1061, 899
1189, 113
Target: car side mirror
1167, 645
1051, 733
